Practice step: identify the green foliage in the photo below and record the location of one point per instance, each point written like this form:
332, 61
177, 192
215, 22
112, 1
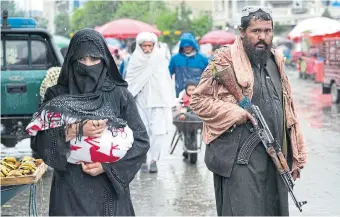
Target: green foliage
201, 25
167, 21
42, 22
94, 13
184, 13
63, 25
146, 11
10, 6
280, 29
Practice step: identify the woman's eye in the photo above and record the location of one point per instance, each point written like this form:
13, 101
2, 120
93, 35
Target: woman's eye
94, 58
81, 59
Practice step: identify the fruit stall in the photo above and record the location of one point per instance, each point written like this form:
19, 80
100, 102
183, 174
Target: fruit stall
16, 176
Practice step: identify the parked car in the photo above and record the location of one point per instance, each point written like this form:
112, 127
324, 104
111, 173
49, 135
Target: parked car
27, 52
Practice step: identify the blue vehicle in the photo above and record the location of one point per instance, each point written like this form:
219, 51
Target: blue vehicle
187, 64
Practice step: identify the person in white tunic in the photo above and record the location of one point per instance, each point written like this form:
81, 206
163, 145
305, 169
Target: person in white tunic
151, 85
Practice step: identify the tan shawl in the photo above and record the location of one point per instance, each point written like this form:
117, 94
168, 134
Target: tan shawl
218, 108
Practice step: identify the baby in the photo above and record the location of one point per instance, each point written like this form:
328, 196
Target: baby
110, 147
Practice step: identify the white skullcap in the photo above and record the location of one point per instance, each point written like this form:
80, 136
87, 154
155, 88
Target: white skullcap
146, 36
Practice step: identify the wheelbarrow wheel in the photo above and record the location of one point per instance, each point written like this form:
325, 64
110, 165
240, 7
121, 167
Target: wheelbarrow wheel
193, 158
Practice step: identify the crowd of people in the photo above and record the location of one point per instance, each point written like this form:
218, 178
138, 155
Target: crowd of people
91, 91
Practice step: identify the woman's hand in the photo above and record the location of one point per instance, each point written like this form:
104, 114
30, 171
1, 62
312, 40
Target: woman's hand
93, 169
71, 132
94, 128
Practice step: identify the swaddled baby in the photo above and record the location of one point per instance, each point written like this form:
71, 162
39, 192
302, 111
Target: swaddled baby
112, 146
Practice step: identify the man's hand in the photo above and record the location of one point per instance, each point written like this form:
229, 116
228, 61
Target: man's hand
244, 117
296, 174
93, 169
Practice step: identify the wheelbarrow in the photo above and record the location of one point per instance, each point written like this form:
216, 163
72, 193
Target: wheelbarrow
190, 133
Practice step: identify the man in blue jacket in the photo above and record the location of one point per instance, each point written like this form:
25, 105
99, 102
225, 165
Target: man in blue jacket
188, 64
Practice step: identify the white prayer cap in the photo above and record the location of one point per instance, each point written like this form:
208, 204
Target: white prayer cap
146, 36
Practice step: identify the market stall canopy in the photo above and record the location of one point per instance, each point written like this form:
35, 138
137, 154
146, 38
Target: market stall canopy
218, 37
318, 39
125, 28
316, 26
61, 41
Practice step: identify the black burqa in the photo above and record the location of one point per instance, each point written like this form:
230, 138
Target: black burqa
83, 94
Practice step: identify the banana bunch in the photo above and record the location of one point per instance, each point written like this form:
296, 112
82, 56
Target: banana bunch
9, 166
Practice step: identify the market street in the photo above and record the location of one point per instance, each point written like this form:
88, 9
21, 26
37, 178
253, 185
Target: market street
180, 189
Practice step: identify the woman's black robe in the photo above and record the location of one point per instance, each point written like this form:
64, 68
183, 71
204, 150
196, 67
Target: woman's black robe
74, 192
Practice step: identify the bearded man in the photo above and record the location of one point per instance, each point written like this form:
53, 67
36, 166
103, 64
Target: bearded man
151, 85
245, 178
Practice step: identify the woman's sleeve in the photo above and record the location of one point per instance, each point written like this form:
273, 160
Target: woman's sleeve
122, 172
50, 145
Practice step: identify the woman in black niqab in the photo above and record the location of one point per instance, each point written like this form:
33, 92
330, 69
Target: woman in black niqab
90, 92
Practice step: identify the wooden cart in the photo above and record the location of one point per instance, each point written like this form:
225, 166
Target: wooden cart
12, 186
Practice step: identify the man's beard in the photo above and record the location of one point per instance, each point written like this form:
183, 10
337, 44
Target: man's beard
255, 55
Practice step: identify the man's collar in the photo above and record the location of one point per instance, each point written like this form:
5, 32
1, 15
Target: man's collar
193, 53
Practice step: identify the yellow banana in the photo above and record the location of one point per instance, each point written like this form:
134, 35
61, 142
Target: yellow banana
26, 167
28, 163
9, 166
4, 170
26, 172
10, 160
15, 173
27, 158
2, 175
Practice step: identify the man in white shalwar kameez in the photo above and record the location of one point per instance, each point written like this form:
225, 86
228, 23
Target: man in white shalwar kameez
151, 85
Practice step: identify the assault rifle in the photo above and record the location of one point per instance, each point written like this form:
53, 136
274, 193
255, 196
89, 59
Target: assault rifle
272, 147
261, 129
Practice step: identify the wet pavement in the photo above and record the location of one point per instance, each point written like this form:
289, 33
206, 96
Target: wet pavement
181, 189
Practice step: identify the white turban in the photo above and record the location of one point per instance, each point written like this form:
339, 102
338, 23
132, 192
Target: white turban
146, 36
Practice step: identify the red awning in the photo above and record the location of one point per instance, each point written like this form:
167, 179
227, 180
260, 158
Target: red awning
218, 37
125, 28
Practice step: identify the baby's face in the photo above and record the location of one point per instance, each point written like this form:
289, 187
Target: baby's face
190, 90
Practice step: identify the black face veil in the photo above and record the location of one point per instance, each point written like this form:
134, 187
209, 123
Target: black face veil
82, 91
77, 78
